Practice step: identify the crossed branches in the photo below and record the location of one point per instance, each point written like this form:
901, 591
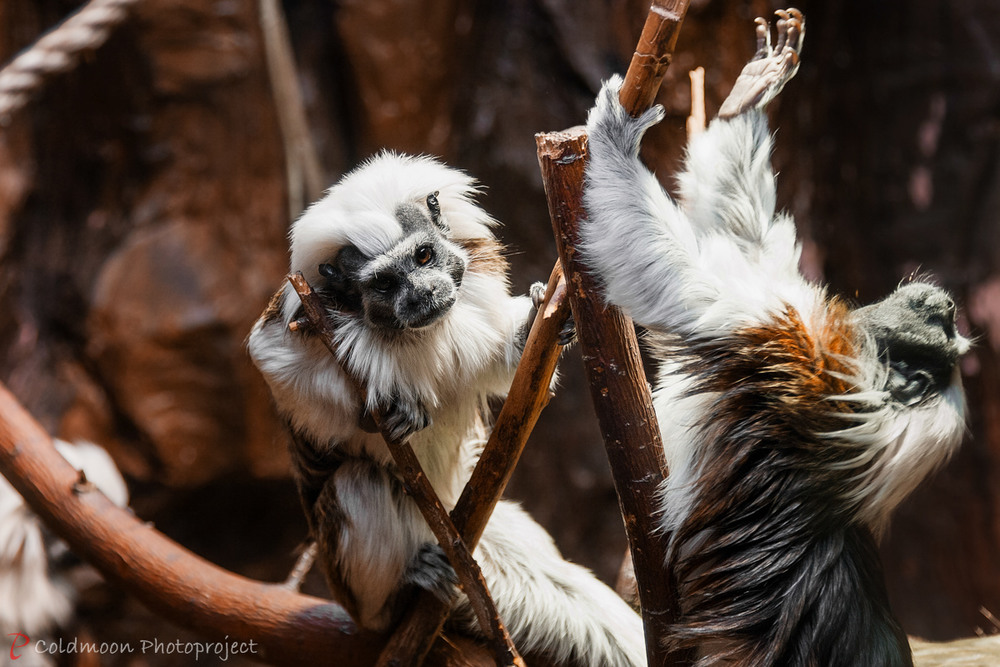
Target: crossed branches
295, 628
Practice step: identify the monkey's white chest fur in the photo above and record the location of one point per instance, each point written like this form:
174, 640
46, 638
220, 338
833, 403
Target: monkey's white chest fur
452, 368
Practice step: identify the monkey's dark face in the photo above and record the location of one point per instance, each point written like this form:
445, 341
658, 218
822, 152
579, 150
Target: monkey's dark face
914, 330
412, 285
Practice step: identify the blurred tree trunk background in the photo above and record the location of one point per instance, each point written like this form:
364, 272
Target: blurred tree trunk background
143, 220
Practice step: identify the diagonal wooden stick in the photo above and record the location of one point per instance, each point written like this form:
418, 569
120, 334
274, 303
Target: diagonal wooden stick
419, 487
529, 393
423, 622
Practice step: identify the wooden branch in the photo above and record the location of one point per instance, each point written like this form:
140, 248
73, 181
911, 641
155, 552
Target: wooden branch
419, 487
285, 627
303, 564
528, 395
653, 54
618, 387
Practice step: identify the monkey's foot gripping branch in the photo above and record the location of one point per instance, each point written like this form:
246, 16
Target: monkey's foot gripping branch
419, 487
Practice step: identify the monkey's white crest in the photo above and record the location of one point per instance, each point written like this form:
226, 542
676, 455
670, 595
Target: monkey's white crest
360, 209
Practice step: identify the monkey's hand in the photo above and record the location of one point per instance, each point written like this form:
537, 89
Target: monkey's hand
610, 126
400, 418
771, 67
567, 335
429, 569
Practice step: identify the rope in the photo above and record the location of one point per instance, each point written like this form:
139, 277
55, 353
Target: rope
57, 51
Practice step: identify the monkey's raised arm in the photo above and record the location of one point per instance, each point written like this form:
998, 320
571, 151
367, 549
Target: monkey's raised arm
720, 257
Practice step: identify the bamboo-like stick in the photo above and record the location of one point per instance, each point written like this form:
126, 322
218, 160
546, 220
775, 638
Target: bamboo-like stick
419, 487
697, 120
303, 172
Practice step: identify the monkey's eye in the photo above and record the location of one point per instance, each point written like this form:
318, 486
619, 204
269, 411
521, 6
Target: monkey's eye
382, 283
424, 254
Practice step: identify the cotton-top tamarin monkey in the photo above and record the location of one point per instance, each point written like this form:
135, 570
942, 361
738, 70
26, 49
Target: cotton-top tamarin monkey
416, 286
793, 424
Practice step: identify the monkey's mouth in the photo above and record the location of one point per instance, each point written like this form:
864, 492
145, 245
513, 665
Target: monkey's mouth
415, 317
426, 318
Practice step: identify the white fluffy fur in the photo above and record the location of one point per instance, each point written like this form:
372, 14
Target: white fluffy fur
736, 260
722, 259
452, 366
548, 602
34, 600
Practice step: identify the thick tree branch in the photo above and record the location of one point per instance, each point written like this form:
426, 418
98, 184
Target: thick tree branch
610, 350
419, 487
287, 628
528, 395
617, 384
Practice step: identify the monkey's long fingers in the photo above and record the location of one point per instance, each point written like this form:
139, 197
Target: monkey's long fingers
763, 31
798, 22
782, 29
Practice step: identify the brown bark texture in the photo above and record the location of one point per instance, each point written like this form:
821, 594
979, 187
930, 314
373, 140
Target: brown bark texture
617, 387
144, 193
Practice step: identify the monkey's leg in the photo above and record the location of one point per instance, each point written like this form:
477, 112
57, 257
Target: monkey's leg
374, 543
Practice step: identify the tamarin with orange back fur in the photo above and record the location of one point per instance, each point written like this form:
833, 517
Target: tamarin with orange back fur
793, 424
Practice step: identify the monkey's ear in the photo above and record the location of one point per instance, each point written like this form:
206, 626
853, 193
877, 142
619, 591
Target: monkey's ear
434, 206
334, 276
